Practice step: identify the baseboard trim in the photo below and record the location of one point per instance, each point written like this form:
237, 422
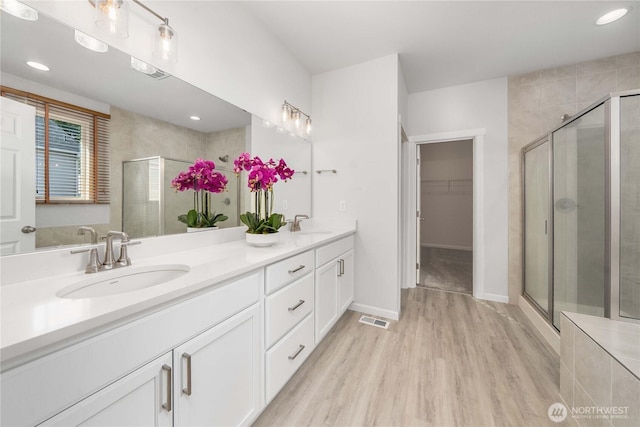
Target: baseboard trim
495, 298
374, 311
540, 323
457, 248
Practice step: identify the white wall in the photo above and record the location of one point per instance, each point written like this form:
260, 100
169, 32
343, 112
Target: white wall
476, 106
446, 171
356, 132
221, 49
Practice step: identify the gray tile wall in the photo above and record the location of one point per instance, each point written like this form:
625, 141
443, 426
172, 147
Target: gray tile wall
536, 102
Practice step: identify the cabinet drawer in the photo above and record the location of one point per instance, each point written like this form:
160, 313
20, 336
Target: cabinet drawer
333, 250
284, 359
285, 308
288, 270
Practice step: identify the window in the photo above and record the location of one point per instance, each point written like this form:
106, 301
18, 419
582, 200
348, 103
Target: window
72, 151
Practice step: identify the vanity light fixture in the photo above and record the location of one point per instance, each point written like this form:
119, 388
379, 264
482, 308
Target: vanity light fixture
90, 43
612, 16
113, 16
19, 10
292, 118
194, 118
38, 66
142, 66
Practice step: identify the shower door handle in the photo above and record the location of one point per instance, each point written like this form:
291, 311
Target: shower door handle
545, 226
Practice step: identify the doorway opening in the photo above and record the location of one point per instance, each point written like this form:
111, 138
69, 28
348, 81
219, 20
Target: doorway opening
444, 230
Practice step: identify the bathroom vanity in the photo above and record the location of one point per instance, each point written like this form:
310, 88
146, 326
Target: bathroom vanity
211, 347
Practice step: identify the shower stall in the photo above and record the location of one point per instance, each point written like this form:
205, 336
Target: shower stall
150, 206
581, 213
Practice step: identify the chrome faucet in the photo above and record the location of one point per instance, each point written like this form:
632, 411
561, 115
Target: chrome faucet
295, 225
123, 259
94, 265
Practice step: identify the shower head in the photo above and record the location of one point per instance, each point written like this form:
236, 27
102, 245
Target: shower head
224, 158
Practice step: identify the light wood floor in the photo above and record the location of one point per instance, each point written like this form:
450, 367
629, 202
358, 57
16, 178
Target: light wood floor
446, 269
451, 361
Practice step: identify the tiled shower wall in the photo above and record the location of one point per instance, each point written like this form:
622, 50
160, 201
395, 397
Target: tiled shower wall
537, 102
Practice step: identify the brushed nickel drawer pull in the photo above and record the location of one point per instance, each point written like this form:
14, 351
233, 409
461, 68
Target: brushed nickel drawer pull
187, 390
297, 305
297, 269
298, 351
341, 267
167, 406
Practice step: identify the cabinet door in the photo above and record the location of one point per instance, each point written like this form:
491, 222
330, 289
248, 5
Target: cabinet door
142, 398
219, 374
326, 298
345, 282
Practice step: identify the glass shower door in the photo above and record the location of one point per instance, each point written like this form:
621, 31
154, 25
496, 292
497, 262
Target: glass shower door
536, 224
579, 203
629, 275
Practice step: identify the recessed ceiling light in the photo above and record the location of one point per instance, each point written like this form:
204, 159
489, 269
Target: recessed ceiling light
612, 16
19, 10
37, 66
194, 118
142, 66
90, 43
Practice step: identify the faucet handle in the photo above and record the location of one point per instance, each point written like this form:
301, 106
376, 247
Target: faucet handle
93, 265
124, 259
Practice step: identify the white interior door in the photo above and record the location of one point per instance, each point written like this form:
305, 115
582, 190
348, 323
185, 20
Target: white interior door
17, 187
418, 213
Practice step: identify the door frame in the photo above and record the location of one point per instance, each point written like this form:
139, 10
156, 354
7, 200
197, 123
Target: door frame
477, 136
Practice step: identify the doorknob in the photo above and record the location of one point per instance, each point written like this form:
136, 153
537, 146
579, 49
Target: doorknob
28, 229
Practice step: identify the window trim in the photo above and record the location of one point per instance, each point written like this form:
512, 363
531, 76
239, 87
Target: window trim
96, 115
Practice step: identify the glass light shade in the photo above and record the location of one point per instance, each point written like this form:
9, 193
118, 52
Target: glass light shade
112, 16
142, 66
166, 44
286, 114
90, 43
296, 118
307, 127
19, 10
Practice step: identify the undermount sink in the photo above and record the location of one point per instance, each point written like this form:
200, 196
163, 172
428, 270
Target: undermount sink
121, 280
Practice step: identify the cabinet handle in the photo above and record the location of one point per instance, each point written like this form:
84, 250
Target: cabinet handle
298, 351
341, 267
187, 390
167, 369
297, 269
297, 305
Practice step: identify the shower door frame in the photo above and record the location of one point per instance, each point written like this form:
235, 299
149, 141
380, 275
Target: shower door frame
612, 200
546, 139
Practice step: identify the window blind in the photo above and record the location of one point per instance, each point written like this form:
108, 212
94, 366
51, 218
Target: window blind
72, 151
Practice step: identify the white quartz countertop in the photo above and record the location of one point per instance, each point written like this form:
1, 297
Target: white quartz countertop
620, 339
35, 321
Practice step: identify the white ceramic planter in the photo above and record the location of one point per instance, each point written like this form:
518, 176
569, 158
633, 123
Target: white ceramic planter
262, 240
195, 229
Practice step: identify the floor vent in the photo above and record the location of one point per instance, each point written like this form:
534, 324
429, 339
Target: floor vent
384, 324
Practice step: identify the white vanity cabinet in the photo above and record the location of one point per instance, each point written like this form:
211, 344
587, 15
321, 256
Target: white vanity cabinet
288, 322
334, 284
127, 368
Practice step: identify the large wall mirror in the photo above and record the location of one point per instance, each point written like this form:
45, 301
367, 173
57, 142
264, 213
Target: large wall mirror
152, 137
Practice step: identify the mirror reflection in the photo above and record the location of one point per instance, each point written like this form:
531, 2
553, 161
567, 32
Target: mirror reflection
158, 126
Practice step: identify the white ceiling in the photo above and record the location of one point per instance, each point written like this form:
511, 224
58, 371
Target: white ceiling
445, 43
